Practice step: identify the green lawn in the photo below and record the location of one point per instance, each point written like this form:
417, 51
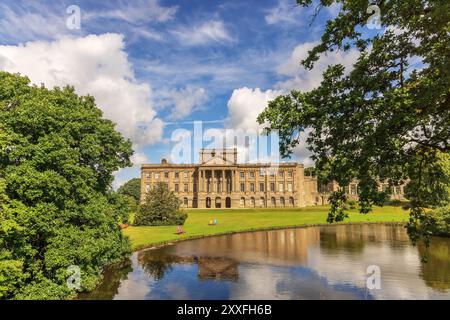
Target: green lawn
237, 220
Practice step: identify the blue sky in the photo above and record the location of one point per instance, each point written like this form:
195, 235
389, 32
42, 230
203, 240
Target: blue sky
156, 66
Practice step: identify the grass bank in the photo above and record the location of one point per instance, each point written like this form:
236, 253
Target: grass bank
239, 220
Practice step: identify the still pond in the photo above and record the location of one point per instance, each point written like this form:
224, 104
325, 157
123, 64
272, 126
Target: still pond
328, 262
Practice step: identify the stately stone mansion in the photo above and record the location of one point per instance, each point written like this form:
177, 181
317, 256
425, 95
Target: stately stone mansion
219, 181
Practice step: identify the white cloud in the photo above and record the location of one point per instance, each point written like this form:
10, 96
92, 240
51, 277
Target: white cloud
285, 12
305, 80
185, 101
34, 21
246, 104
136, 12
207, 32
95, 65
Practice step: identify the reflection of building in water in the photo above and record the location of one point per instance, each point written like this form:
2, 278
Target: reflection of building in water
355, 237
217, 268
280, 247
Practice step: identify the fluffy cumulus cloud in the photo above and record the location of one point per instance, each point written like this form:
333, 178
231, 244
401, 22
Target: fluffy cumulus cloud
246, 104
184, 101
95, 65
301, 79
213, 31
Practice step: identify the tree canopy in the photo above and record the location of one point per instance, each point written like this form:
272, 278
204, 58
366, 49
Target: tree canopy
386, 119
57, 208
132, 191
161, 208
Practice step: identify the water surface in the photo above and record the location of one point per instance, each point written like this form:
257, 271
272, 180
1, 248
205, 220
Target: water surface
328, 262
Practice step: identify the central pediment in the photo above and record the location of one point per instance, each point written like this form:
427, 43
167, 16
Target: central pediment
218, 156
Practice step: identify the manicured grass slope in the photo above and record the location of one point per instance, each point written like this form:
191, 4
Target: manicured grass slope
236, 220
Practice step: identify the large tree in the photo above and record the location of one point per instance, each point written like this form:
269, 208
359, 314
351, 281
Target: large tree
132, 191
57, 209
386, 119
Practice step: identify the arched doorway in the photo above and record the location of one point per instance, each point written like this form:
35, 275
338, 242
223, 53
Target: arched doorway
208, 202
194, 203
218, 202
228, 202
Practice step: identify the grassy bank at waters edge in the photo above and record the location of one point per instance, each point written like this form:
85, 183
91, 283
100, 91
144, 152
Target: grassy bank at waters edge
239, 220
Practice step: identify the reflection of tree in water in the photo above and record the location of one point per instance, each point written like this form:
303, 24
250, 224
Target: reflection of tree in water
436, 271
109, 287
217, 269
156, 263
334, 242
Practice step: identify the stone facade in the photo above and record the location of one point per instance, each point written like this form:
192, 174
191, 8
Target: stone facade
219, 181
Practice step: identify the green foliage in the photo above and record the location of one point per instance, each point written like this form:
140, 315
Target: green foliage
386, 119
57, 156
441, 217
337, 212
395, 203
310, 172
132, 190
161, 208
352, 204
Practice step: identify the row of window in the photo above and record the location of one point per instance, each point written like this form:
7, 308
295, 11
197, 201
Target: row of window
262, 187
354, 189
251, 174
158, 175
262, 202
262, 173
281, 202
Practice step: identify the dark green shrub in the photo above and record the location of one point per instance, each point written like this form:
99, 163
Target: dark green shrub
395, 203
441, 219
352, 204
161, 208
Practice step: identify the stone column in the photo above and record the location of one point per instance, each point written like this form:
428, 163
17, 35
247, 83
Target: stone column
223, 181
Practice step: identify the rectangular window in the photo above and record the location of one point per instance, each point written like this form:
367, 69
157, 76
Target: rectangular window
272, 173
186, 187
177, 175
186, 174
262, 172
290, 187
272, 187
166, 175
177, 188
242, 187
156, 175
242, 174
281, 174
147, 175
147, 188
290, 173
261, 187
252, 175
252, 187
281, 187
